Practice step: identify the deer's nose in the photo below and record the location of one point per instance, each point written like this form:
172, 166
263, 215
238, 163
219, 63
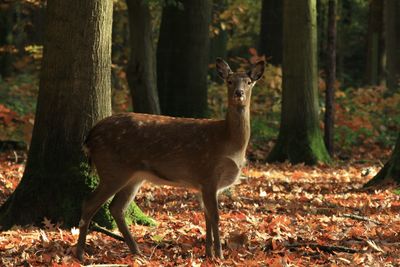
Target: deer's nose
239, 93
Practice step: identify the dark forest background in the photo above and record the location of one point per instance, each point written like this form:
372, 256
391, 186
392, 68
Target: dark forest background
240, 31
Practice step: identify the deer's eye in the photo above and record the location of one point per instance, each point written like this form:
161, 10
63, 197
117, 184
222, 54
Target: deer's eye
249, 82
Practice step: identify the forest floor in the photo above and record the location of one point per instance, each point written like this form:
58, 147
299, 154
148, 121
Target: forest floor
279, 215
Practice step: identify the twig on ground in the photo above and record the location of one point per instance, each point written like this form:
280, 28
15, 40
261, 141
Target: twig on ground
361, 218
107, 265
325, 248
98, 228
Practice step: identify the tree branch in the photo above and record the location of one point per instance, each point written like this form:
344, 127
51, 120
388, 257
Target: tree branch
361, 218
98, 228
325, 248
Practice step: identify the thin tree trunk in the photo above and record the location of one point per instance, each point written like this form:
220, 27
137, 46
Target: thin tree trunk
271, 31
141, 72
219, 40
392, 36
322, 25
330, 78
182, 58
374, 66
74, 94
6, 40
300, 138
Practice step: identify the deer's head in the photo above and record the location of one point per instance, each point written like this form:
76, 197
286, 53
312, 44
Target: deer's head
239, 83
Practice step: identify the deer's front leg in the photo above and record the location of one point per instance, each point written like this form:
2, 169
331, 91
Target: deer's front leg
209, 239
212, 220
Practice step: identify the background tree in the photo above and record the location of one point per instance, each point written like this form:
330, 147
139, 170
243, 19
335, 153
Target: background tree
218, 36
6, 36
74, 94
392, 37
351, 40
141, 72
300, 138
375, 57
330, 78
271, 31
182, 58
322, 25
391, 171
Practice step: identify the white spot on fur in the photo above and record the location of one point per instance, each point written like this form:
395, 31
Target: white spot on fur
81, 223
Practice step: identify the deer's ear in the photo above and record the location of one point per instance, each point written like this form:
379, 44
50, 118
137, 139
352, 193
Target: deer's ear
257, 71
223, 68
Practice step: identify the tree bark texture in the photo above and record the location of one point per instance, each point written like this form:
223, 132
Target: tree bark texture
74, 94
375, 58
330, 78
182, 58
390, 171
271, 31
392, 36
300, 138
141, 72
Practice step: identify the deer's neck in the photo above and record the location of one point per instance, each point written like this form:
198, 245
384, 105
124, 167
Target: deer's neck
238, 128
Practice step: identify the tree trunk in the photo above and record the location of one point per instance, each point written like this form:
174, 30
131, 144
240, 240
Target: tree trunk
322, 25
391, 171
300, 138
219, 39
74, 94
374, 66
392, 36
141, 72
182, 58
330, 78
271, 31
6, 40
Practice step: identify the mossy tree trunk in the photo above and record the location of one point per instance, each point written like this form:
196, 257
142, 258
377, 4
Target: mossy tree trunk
182, 58
392, 37
141, 72
391, 171
300, 138
271, 31
74, 94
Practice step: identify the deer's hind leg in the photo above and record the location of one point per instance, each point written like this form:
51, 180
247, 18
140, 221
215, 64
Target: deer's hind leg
118, 207
89, 208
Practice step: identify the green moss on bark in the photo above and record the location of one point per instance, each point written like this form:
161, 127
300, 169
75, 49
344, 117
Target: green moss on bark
58, 197
300, 139
298, 149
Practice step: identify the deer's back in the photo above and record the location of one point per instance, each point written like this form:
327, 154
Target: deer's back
167, 146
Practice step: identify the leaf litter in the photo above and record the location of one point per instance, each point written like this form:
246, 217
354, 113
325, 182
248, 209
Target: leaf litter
279, 215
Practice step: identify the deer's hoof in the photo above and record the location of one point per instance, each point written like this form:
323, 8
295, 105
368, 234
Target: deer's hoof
79, 254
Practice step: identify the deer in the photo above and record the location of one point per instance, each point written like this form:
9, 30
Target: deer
203, 154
